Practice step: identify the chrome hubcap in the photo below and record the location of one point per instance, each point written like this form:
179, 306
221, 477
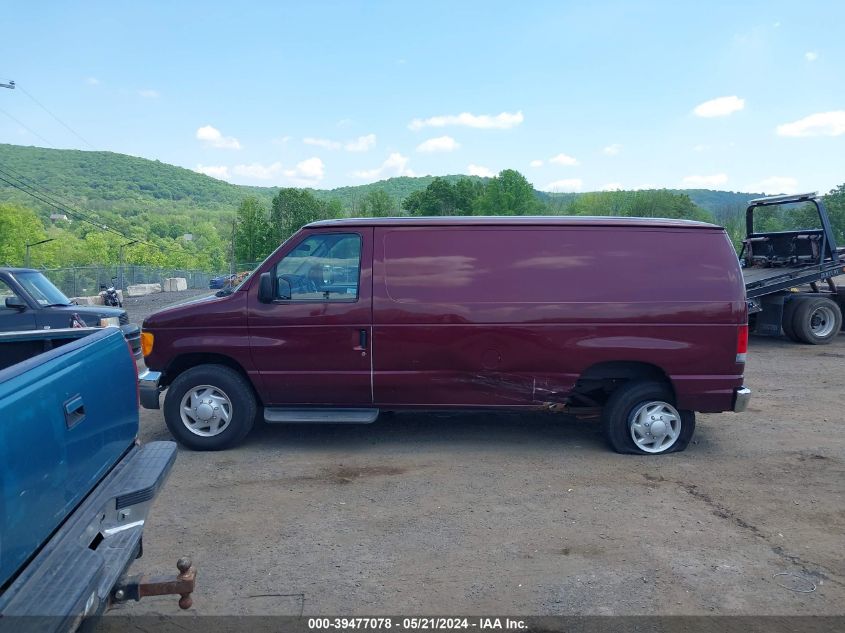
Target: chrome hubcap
655, 426
822, 321
205, 410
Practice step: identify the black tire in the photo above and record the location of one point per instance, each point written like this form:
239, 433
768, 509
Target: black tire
233, 385
618, 412
789, 317
817, 320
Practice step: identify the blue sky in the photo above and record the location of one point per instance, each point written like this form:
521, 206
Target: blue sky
746, 96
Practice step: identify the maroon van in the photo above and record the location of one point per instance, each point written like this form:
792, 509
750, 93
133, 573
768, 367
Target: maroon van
641, 321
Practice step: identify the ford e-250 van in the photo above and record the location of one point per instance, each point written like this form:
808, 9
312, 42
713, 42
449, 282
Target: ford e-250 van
640, 321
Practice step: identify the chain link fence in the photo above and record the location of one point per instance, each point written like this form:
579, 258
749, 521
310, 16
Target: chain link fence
86, 280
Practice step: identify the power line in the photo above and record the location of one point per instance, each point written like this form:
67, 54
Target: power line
62, 205
65, 125
26, 127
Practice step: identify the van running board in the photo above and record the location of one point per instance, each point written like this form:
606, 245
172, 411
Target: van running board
319, 416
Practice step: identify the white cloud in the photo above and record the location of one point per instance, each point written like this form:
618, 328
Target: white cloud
612, 186
281, 140
212, 137
439, 144
502, 121
307, 173
818, 124
612, 150
536, 163
361, 144
723, 106
258, 171
395, 165
701, 148
322, 142
811, 56
92, 81
149, 93
704, 182
774, 185
479, 170
221, 172
564, 159
567, 184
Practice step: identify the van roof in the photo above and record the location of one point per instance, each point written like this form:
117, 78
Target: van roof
516, 220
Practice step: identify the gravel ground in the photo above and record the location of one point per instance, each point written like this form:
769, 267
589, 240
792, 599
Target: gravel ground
529, 514
139, 308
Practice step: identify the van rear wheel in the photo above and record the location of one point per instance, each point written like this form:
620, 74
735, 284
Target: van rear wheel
641, 418
209, 408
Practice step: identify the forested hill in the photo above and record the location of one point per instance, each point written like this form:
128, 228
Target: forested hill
117, 182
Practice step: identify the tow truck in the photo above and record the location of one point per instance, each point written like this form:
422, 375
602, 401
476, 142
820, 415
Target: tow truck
789, 275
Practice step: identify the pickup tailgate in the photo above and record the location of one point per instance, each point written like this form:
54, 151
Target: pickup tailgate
67, 416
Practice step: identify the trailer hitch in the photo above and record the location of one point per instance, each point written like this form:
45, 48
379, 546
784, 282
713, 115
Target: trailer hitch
137, 587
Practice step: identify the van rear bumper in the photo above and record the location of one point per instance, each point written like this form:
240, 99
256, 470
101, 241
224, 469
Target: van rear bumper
742, 397
149, 389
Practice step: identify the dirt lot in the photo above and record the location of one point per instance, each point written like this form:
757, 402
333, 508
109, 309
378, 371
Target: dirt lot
524, 514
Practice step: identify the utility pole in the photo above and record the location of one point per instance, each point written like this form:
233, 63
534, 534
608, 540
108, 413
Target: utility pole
26, 260
10, 85
232, 264
120, 258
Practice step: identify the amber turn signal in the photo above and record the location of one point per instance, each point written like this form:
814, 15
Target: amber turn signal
147, 340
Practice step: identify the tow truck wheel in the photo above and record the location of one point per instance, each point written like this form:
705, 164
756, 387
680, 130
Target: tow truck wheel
789, 318
817, 320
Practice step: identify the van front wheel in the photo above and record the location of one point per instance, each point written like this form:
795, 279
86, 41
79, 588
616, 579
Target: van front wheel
209, 408
641, 418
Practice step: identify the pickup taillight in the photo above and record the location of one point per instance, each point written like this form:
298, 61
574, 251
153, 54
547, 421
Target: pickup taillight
741, 343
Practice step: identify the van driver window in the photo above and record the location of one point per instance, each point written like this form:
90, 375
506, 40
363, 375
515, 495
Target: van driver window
321, 268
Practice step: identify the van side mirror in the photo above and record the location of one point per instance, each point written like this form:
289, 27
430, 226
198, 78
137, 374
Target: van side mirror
15, 303
265, 288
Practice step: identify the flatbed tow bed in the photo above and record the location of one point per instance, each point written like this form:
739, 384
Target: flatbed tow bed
783, 271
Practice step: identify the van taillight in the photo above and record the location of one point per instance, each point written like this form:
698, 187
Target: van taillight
741, 343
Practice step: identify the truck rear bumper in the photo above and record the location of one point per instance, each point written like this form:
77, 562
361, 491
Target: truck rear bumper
149, 389
72, 576
742, 397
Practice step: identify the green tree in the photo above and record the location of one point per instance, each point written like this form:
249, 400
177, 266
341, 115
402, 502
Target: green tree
656, 203
509, 193
290, 210
438, 198
377, 204
834, 202
251, 229
19, 226
467, 193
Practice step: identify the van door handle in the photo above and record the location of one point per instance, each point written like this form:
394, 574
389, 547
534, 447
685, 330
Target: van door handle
362, 339
74, 411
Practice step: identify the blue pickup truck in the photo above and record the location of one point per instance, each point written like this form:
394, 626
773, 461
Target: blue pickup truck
30, 301
75, 485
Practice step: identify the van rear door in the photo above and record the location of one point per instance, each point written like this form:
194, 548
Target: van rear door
311, 344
